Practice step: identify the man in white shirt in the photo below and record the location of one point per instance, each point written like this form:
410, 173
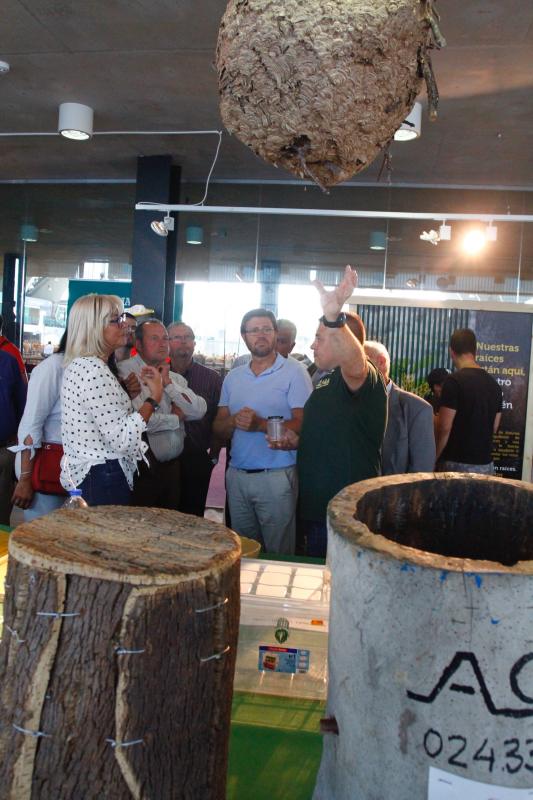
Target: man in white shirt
158, 485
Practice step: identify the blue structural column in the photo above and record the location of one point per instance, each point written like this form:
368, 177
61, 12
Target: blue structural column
269, 277
12, 265
153, 274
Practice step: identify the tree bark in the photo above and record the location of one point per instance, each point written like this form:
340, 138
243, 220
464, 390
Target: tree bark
117, 656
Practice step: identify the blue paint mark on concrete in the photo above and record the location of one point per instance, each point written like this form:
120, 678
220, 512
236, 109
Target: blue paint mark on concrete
494, 621
443, 575
478, 579
407, 568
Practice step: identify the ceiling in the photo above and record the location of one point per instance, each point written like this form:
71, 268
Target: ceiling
148, 65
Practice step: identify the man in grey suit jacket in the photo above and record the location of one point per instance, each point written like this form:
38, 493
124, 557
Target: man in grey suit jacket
409, 443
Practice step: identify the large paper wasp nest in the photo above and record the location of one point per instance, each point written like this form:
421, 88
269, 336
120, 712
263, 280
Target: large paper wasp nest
319, 87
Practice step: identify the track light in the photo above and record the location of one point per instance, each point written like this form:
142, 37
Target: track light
491, 233
75, 121
474, 241
430, 236
445, 232
162, 227
411, 127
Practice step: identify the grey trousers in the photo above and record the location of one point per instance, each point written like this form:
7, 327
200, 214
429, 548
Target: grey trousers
263, 506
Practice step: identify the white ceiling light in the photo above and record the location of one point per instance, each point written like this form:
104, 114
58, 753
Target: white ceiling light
491, 233
411, 127
474, 241
430, 236
75, 121
445, 232
162, 227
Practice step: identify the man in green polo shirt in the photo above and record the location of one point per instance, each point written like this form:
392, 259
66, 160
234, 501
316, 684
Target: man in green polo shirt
344, 419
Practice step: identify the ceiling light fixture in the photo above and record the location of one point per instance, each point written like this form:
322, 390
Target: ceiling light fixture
430, 236
75, 121
194, 234
162, 227
474, 241
29, 233
445, 232
411, 127
491, 233
378, 240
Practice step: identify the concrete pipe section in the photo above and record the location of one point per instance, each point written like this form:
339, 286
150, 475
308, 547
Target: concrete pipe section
431, 640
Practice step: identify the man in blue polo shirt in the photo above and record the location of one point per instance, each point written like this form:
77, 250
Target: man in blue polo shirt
261, 483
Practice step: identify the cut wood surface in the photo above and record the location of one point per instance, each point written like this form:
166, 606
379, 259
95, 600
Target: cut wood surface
117, 656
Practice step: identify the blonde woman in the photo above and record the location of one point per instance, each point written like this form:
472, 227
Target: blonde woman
102, 434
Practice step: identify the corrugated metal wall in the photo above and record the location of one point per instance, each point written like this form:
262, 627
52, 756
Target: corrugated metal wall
416, 338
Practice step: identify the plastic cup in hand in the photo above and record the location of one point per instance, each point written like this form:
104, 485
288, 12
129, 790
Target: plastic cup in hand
275, 428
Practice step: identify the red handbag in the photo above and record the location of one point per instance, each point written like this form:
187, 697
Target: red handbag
47, 468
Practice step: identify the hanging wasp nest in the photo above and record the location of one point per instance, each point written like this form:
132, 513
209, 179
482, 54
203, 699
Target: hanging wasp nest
319, 87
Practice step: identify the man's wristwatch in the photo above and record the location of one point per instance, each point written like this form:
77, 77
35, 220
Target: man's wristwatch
337, 323
153, 403
214, 461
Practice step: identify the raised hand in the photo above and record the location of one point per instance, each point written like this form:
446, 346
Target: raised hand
332, 301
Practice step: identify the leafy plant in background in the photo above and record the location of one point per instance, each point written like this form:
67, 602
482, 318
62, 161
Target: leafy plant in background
411, 377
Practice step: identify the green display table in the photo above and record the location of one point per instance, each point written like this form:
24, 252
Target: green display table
275, 747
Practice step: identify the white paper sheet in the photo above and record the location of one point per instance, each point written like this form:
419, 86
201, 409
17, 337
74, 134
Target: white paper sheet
444, 786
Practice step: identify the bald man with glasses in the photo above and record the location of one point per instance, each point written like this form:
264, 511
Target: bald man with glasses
261, 483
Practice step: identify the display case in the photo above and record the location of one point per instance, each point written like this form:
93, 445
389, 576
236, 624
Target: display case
284, 629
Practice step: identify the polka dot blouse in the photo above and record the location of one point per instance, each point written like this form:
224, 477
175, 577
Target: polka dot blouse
98, 423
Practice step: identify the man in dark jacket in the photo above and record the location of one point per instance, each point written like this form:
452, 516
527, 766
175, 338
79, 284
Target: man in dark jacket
409, 443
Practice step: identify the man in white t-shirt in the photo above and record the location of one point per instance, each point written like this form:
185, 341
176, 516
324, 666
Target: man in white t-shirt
158, 485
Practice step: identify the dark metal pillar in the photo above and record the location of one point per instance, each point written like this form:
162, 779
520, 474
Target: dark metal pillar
269, 277
153, 274
12, 265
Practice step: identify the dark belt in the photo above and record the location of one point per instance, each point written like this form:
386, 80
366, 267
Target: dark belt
252, 471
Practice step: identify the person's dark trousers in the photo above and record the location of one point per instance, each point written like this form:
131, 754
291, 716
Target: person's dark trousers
196, 469
106, 485
316, 537
7, 482
157, 485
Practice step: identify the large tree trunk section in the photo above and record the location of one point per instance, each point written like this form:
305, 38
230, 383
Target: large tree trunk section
126, 692
320, 87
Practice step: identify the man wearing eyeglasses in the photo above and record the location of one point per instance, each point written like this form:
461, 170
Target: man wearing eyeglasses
261, 483
201, 449
159, 484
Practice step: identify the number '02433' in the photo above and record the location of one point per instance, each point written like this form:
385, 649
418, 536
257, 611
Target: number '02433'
511, 755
